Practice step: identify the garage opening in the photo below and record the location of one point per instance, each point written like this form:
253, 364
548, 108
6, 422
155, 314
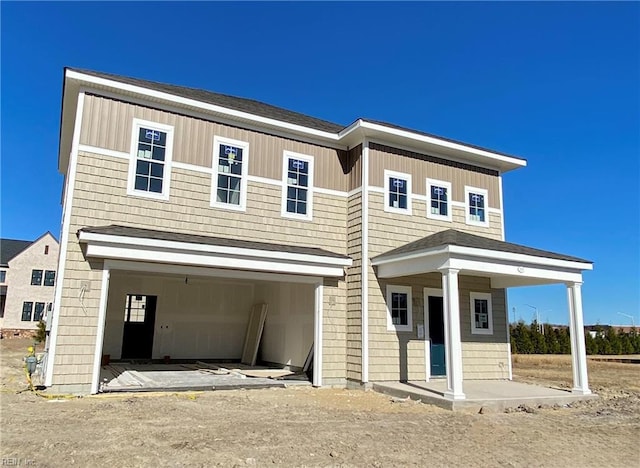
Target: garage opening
177, 332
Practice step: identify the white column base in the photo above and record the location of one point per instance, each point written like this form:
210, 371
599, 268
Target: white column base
454, 396
580, 391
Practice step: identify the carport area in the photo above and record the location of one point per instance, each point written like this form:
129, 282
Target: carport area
181, 311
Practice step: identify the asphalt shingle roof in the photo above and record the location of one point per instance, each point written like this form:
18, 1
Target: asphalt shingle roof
126, 231
464, 239
9, 248
230, 102
261, 109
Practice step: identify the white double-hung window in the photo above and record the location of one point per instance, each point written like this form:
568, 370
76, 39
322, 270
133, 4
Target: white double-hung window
397, 192
230, 169
297, 186
481, 314
150, 164
399, 313
438, 200
476, 206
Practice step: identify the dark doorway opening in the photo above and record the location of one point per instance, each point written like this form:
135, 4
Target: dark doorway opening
139, 322
436, 336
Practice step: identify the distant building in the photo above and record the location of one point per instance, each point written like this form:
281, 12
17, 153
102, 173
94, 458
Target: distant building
27, 280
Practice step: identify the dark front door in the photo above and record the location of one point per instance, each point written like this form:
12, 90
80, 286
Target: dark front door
436, 336
139, 321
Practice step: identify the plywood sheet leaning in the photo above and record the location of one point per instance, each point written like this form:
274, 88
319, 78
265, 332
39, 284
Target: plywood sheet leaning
254, 334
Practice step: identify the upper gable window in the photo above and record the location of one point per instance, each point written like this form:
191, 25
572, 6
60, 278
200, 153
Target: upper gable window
397, 192
230, 164
297, 186
150, 166
438, 203
476, 206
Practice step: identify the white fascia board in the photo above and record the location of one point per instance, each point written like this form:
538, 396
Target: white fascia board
411, 136
485, 267
94, 80
519, 258
183, 258
205, 248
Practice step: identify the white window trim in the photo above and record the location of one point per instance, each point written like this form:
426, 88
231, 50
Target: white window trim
404, 290
217, 141
285, 169
168, 158
468, 190
439, 183
397, 175
472, 297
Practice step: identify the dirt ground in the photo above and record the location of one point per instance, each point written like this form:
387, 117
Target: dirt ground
325, 427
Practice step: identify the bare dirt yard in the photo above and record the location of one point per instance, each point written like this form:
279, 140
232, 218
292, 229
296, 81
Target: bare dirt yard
326, 427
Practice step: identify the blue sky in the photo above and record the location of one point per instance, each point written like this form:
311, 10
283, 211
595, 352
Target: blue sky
555, 83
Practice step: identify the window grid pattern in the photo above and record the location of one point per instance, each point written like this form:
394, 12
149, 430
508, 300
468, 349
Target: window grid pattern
297, 186
49, 277
399, 308
27, 308
36, 277
135, 308
150, 160
439, 200
476, 207
229, 174
397, 193
481, 314
38, 311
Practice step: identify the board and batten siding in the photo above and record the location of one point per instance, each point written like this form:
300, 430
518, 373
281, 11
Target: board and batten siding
107, 124
421, 167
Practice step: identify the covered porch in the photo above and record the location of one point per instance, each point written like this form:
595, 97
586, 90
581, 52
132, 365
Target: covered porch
452, 254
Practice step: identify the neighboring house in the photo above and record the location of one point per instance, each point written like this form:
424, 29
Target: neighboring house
380, 247
27, 280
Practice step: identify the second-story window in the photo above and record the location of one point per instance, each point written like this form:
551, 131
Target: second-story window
3, 276
49, 277
36, 277
297, 187
438, 199
150, 167
230, 164
476, 206
397, 190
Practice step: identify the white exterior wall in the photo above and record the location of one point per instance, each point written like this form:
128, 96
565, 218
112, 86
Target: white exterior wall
18, 281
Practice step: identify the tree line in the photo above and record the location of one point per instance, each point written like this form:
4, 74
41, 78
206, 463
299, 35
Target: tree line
546, 339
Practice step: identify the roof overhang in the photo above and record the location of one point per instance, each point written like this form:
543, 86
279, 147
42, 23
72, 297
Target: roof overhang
504, 268
117, 247
349, 137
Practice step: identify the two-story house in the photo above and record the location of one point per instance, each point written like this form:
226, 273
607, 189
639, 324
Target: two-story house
27, 280
380, 247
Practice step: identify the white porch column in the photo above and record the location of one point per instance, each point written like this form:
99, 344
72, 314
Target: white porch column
317, 336
452, 340
578, 351
102, 316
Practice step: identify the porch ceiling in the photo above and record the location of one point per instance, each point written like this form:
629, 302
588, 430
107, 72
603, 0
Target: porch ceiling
505, 263
170, 248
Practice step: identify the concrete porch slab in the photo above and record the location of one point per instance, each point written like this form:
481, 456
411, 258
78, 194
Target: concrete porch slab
495, 395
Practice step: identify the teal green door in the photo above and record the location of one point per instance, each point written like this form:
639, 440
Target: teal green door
436, 337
